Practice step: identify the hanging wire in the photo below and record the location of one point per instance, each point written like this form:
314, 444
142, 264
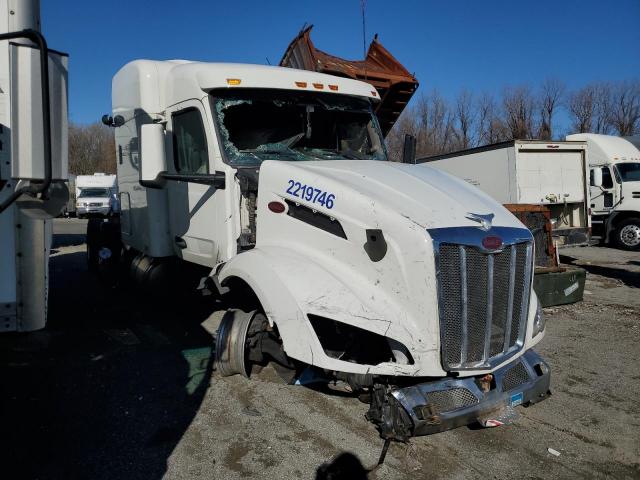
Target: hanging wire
363, 6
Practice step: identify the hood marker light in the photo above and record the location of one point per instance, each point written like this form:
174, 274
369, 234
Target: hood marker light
276, 207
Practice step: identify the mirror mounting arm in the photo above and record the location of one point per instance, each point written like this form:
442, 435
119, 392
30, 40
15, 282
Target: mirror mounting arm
36, 187
217, 179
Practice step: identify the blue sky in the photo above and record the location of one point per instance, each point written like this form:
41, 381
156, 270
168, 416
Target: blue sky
450, 45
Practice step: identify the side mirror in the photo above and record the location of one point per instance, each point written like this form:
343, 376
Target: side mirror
153, 157
597, 177
409, 149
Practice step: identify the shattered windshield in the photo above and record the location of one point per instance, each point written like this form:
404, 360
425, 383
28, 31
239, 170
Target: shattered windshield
257, 125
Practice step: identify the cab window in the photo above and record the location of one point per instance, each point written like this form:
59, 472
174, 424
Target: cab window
607, 181
190, 153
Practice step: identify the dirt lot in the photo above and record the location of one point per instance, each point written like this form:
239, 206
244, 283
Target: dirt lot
118, 386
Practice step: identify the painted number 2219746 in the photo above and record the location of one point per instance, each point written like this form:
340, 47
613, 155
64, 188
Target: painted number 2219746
311, 194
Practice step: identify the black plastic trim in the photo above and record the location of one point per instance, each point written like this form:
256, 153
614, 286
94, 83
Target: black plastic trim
315, 219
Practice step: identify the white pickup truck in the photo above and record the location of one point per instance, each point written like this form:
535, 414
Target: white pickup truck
401, 280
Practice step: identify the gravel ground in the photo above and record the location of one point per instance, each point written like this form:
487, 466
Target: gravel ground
120, 386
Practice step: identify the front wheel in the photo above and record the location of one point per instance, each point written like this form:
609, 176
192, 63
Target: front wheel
246, 339
627, 234
93, 246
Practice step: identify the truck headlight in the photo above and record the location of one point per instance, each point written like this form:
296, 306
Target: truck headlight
538, 321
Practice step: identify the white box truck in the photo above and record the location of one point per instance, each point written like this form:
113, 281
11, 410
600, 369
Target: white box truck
402, 280
530, 172
96, 195
33, 162
615, 188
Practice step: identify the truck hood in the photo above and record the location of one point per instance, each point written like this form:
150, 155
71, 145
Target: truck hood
367, 257
428, 197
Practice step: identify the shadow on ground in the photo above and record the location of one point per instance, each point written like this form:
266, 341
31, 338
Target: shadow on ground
68, 239
345, 466
629, 278
109, 387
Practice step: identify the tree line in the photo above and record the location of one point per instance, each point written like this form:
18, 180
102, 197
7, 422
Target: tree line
91, 149
520, 112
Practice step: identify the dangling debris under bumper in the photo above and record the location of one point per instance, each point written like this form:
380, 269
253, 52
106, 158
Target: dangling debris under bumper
432, 407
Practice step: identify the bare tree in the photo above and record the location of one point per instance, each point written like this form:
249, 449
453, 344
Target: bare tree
490, 127
518, 104
435, 125
465, 117
91, 149
624, 108
602, 100
581, 107
551, 94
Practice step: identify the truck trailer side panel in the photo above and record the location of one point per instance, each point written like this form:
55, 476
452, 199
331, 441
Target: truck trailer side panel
546, 179
530, 172
493, 171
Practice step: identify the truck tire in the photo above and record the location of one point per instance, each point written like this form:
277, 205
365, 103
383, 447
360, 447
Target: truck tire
93, 244
627, 234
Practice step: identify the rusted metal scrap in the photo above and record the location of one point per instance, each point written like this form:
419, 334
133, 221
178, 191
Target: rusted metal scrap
393, 82
537, 218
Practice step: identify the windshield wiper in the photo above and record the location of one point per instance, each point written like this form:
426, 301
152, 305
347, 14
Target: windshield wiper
291, 141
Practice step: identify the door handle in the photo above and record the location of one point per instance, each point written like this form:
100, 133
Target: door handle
180, 243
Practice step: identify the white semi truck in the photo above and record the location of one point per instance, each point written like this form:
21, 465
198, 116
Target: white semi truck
399, 279
33, 162
615, 188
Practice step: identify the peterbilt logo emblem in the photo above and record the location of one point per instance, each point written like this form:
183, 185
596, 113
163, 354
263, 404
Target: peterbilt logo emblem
492, 243
483, 220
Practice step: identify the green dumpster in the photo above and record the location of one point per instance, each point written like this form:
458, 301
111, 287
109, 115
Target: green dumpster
559, 287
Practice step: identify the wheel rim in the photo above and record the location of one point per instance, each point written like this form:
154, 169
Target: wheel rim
630, 235
230, 343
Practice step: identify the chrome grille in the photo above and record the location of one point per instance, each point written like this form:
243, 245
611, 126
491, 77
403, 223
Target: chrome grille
453, 399
484, 298
515, 377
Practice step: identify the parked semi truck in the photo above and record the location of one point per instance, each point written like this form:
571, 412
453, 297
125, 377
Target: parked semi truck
615, 188
33, 162
401, 280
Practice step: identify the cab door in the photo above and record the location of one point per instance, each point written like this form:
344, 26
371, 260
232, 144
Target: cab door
602, 198
193, 213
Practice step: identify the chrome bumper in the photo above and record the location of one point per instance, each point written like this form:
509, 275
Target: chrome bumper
93, 210
441, 405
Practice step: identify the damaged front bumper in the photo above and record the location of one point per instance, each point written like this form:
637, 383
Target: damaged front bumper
433, 407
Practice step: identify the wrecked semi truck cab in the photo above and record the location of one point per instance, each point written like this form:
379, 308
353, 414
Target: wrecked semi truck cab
401, 280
